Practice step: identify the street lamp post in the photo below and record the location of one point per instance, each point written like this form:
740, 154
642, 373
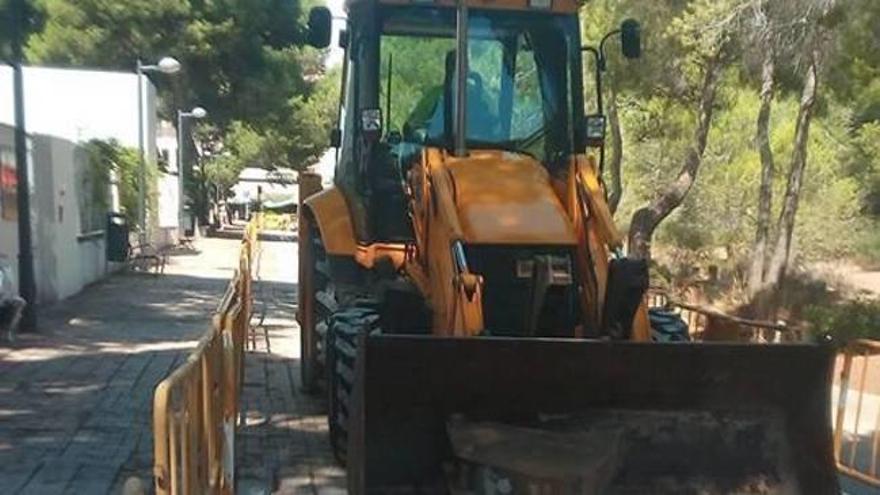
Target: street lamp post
167, 65
195, 113
27, 286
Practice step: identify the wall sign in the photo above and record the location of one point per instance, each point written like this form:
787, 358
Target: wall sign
8, 185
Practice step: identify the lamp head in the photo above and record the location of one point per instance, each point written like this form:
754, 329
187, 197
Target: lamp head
168, 65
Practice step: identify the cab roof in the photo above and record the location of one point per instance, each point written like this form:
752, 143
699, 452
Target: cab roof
554, 6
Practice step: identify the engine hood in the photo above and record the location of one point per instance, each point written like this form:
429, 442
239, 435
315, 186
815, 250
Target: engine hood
506, 198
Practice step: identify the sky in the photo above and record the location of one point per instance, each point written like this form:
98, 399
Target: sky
327, 162
337, 7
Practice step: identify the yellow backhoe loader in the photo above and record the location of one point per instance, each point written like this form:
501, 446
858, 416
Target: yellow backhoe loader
464, 299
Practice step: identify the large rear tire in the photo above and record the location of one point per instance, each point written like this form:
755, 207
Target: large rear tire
322, 306
668, 326
342, 340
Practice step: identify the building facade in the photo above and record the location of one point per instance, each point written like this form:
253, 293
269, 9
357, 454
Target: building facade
63, 109
66, 215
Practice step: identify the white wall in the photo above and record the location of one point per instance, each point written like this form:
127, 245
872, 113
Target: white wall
79, 105
65, 107
166, 141
67, 259
64, 260
45, 236
326, 167
168, 201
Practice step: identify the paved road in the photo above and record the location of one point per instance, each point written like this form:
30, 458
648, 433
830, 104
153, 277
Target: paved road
75, 399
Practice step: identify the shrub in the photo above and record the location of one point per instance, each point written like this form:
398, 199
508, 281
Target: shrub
847, 320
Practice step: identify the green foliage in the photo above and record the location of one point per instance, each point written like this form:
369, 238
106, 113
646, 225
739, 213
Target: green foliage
32, 16
297, 142
307, 133
704, 29
720, 211
847, 320
94, 180
840, 201
862, 161
868, 244
222, 171
855, 70
241, 60
418, 73
106, 157
277, 221
417, 69
238, 56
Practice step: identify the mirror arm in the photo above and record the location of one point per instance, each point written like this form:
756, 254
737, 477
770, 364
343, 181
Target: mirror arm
632, 33
602, 48
600, 67
599, 55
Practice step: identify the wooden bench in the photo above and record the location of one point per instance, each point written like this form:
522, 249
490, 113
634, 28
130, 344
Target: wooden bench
187, 243
146, 257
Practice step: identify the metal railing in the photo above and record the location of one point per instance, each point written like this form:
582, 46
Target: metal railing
709, 324
857, 413
196, 406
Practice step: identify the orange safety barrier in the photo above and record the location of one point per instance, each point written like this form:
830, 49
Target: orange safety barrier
196, 406
857, 413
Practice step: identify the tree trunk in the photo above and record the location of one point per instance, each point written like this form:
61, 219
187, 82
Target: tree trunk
785, 227
616, 150
765, 194
646, 219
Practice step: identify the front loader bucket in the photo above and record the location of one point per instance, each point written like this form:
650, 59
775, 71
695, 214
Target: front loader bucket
632, 417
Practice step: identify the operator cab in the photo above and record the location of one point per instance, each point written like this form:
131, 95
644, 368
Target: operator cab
523, 94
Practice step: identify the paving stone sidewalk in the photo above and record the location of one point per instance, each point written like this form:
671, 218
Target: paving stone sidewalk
76, 397
283, 444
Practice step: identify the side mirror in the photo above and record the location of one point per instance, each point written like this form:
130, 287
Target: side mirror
320, 27
631, 38
594, 132
335, 138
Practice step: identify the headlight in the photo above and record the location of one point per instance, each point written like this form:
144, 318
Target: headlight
371, 120
541, 4
595, 130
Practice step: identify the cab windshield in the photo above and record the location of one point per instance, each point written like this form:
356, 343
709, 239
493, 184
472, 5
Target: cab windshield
520, 90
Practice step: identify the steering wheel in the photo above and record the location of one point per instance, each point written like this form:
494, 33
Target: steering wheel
476, 79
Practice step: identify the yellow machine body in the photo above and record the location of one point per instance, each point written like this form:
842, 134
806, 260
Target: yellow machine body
489, 197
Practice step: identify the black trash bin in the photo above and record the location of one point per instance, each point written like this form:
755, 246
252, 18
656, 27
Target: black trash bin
117, 237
